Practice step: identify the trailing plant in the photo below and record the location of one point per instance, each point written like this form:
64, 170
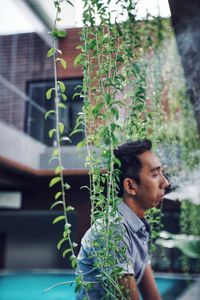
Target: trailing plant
124, 92
190, 226
57, 94
111, 59
176, 129
101, 59
143, 88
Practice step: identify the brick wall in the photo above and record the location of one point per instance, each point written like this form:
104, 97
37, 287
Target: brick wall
69, 52
22, 59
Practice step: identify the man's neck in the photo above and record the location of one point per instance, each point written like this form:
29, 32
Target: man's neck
132, 204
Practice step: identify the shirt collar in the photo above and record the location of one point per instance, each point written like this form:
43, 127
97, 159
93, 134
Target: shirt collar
130, 216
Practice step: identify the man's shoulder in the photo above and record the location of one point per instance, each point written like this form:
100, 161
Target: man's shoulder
116, 225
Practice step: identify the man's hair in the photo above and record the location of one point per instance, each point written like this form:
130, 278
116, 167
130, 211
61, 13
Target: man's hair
130, 164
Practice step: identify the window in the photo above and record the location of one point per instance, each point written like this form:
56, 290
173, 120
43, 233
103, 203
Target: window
36, 125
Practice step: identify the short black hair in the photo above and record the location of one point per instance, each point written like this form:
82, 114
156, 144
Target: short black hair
130, 164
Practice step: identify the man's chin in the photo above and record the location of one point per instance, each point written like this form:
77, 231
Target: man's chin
159, 201
156, 203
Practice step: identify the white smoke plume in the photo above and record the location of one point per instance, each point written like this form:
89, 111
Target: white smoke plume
188, 187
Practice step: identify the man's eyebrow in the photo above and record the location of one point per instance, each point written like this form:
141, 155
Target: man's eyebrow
158, 168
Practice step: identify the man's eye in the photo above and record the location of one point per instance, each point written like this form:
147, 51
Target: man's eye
155, 174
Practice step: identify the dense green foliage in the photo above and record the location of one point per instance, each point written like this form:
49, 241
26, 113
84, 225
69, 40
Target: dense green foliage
131, 89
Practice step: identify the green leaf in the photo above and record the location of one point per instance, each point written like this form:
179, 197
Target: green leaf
55, 152
107, 98
58, 33
54, 181
57, 195
52, 159
92, 44
51, 132
81, 145
56, 203
78, 59
48, 93
60, 243
65, 233
63, 63
80, 47
61, 127
136, 69
58, 169
58, 219
61, 33
113, 126
74, 263
80, 87
115, 112
120, 58
64, 97
67, 186
48, 113
51, 52
76, 131
61, 105
74, 245
68, 1
97, 108
77, 288
75, 95
72, 257
66, 252
67, 226
62, 86
69, 208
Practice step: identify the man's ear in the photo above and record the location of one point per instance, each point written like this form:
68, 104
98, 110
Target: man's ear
130, 186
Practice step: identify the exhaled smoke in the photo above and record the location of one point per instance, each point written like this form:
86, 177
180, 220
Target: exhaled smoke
188, 187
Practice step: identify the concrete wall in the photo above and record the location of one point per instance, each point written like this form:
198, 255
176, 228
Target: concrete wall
33, 245
19, 147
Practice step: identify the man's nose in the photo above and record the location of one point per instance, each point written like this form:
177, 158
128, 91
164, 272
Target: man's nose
165, 182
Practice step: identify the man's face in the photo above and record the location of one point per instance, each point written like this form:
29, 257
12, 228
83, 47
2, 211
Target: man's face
151, 189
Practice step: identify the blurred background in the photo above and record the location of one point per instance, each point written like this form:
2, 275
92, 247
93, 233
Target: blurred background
27, 237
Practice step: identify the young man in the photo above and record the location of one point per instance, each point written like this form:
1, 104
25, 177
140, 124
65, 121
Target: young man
142, 186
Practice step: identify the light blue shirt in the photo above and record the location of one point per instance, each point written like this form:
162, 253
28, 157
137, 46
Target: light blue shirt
135, 238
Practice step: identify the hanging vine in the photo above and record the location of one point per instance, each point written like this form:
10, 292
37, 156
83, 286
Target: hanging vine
57, 94
123, 99
114, 70
102, 80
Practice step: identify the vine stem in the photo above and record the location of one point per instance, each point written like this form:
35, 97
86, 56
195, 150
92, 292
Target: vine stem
58, 145
110, 179
87, 93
